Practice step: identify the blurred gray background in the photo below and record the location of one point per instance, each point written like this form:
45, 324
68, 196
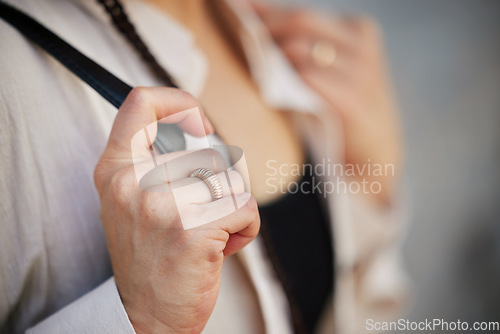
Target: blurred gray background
445, 61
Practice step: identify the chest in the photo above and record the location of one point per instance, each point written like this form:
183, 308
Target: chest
241, 117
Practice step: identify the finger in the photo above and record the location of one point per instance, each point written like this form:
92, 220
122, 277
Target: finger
334, 89
297, 50
242, 225
314, 26
210, 215
143, 108
299, 53
251, 225
195, 205
195, 191
176, 166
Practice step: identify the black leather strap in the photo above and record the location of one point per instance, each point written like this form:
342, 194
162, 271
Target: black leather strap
110, 87
169, 138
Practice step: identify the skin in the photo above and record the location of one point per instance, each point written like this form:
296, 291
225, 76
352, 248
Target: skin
238, 114
168, 277
356, 87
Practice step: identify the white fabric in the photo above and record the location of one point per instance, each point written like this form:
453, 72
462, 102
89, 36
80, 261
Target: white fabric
81, 315
53, 255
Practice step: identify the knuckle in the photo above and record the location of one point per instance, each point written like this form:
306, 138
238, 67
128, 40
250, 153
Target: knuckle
214, 250
215, 254
99, 177
252, 208
146, 204
138, 96
186, 97
253, 216
122, 185
156, 209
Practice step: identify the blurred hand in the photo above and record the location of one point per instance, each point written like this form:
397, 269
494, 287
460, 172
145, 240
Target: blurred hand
352, 78
168, 277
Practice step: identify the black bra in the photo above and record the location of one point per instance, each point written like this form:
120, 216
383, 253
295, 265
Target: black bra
297, 234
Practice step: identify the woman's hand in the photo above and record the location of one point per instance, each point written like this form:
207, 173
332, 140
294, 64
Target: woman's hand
168, 277
349, 71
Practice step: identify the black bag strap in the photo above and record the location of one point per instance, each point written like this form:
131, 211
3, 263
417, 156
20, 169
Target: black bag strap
109, 86
169, 138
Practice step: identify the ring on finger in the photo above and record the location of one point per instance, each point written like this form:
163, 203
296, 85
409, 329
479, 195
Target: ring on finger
211, 180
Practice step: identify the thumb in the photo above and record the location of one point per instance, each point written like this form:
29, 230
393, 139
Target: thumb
142, 108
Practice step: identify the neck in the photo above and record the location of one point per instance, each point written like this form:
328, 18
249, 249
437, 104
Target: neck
190, 13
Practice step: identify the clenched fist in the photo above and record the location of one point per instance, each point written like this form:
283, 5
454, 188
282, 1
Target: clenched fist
168, 277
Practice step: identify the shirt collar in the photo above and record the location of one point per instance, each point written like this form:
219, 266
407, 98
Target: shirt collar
279, 83
174, 47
